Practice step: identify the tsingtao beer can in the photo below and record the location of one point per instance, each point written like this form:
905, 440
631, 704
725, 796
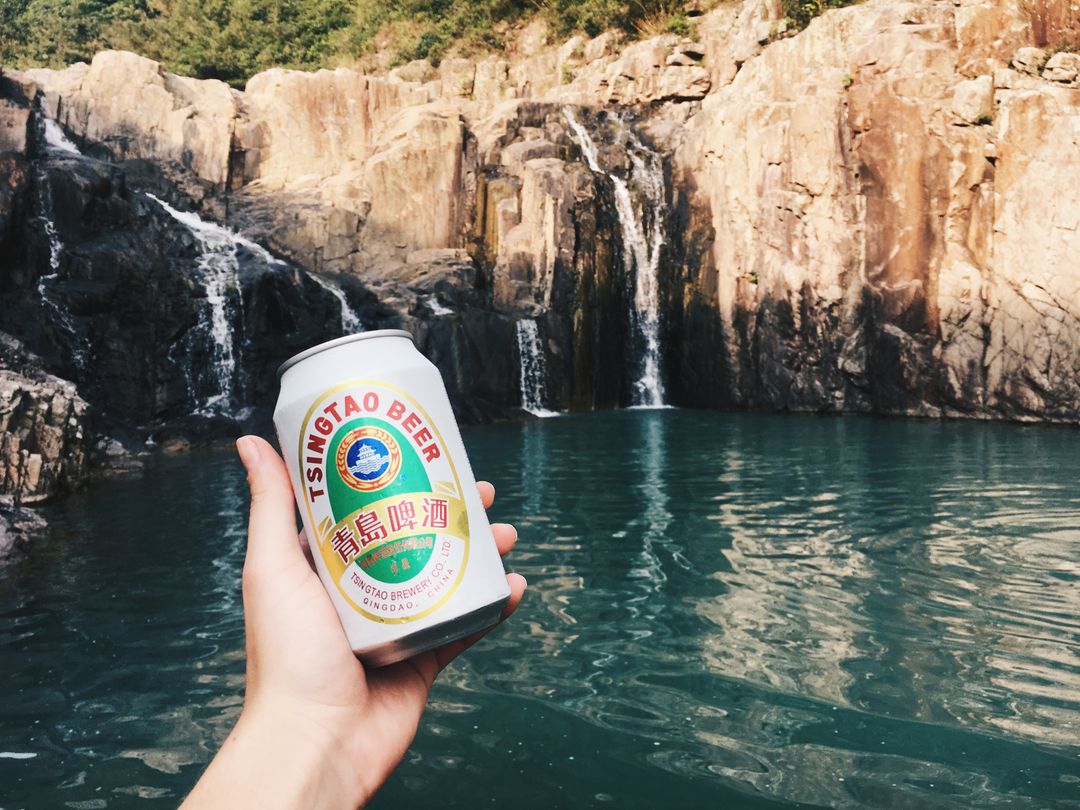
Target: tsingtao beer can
388, 499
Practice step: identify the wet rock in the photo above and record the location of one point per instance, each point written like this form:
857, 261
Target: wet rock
124, 312
14, 184
18, 526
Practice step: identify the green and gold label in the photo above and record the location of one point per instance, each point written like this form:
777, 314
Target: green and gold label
384, 495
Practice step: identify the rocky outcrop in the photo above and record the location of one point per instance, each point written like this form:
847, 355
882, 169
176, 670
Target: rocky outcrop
893, 232
129, 105
873, 214
165, 326
17, 525
45, 439
15, 129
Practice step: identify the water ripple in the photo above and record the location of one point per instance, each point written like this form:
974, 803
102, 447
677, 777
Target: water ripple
724, 610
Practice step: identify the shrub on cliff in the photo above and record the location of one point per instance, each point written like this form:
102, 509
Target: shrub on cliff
802, 11
232, 39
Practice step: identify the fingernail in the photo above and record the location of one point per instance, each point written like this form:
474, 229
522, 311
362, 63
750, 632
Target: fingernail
248, 449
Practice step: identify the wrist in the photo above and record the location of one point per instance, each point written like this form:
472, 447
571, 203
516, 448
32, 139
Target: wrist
275, 759
318, 751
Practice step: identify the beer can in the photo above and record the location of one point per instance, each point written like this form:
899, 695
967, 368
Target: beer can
388, 500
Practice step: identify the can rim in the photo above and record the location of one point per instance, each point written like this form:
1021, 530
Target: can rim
341, 341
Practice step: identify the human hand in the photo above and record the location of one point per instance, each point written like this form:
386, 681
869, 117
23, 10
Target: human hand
317, 729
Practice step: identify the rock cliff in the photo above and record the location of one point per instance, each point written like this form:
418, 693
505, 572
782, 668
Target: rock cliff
45, 439
878, 213
882, 215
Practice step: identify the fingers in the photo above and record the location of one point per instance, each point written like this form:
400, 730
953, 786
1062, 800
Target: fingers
505, 534
517, 591
505, 537
272, 523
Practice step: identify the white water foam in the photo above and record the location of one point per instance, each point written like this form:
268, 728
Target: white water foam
643, 238
432, 303
533, 376
221, 275
350, 321
56, 140
79, 345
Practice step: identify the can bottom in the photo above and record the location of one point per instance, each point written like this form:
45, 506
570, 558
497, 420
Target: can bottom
433, 637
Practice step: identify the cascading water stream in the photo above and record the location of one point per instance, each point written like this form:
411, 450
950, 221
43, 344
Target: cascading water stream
533, 375
221, 275
643, 237
220, 267
56, 142
56, 247
350, 320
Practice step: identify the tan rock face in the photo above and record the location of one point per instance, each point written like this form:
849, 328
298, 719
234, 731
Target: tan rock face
1029, 60
14, 128
925, 216
419, 171
973, 101
875, 213
131, 105
1063, 68
1032, 284
307, 126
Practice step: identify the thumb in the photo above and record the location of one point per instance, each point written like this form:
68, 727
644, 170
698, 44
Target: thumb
272, 523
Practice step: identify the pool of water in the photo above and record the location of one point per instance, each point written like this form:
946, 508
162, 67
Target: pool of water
724, 610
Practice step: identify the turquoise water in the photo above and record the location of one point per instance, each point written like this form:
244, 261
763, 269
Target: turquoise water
725, 610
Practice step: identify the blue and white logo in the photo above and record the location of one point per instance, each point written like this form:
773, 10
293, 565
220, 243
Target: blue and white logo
368, 458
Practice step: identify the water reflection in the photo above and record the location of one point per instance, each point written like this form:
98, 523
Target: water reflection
651, 516
838, 611
123, 662
724, 610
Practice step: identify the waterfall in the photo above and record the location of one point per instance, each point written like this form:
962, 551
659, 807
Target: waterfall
56, 247
220, 267
531, 359
56, 140
642, 230
350, 321
79, 345
437, 309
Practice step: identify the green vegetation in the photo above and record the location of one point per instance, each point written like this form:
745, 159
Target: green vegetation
225, 39
232, 39
800, 12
